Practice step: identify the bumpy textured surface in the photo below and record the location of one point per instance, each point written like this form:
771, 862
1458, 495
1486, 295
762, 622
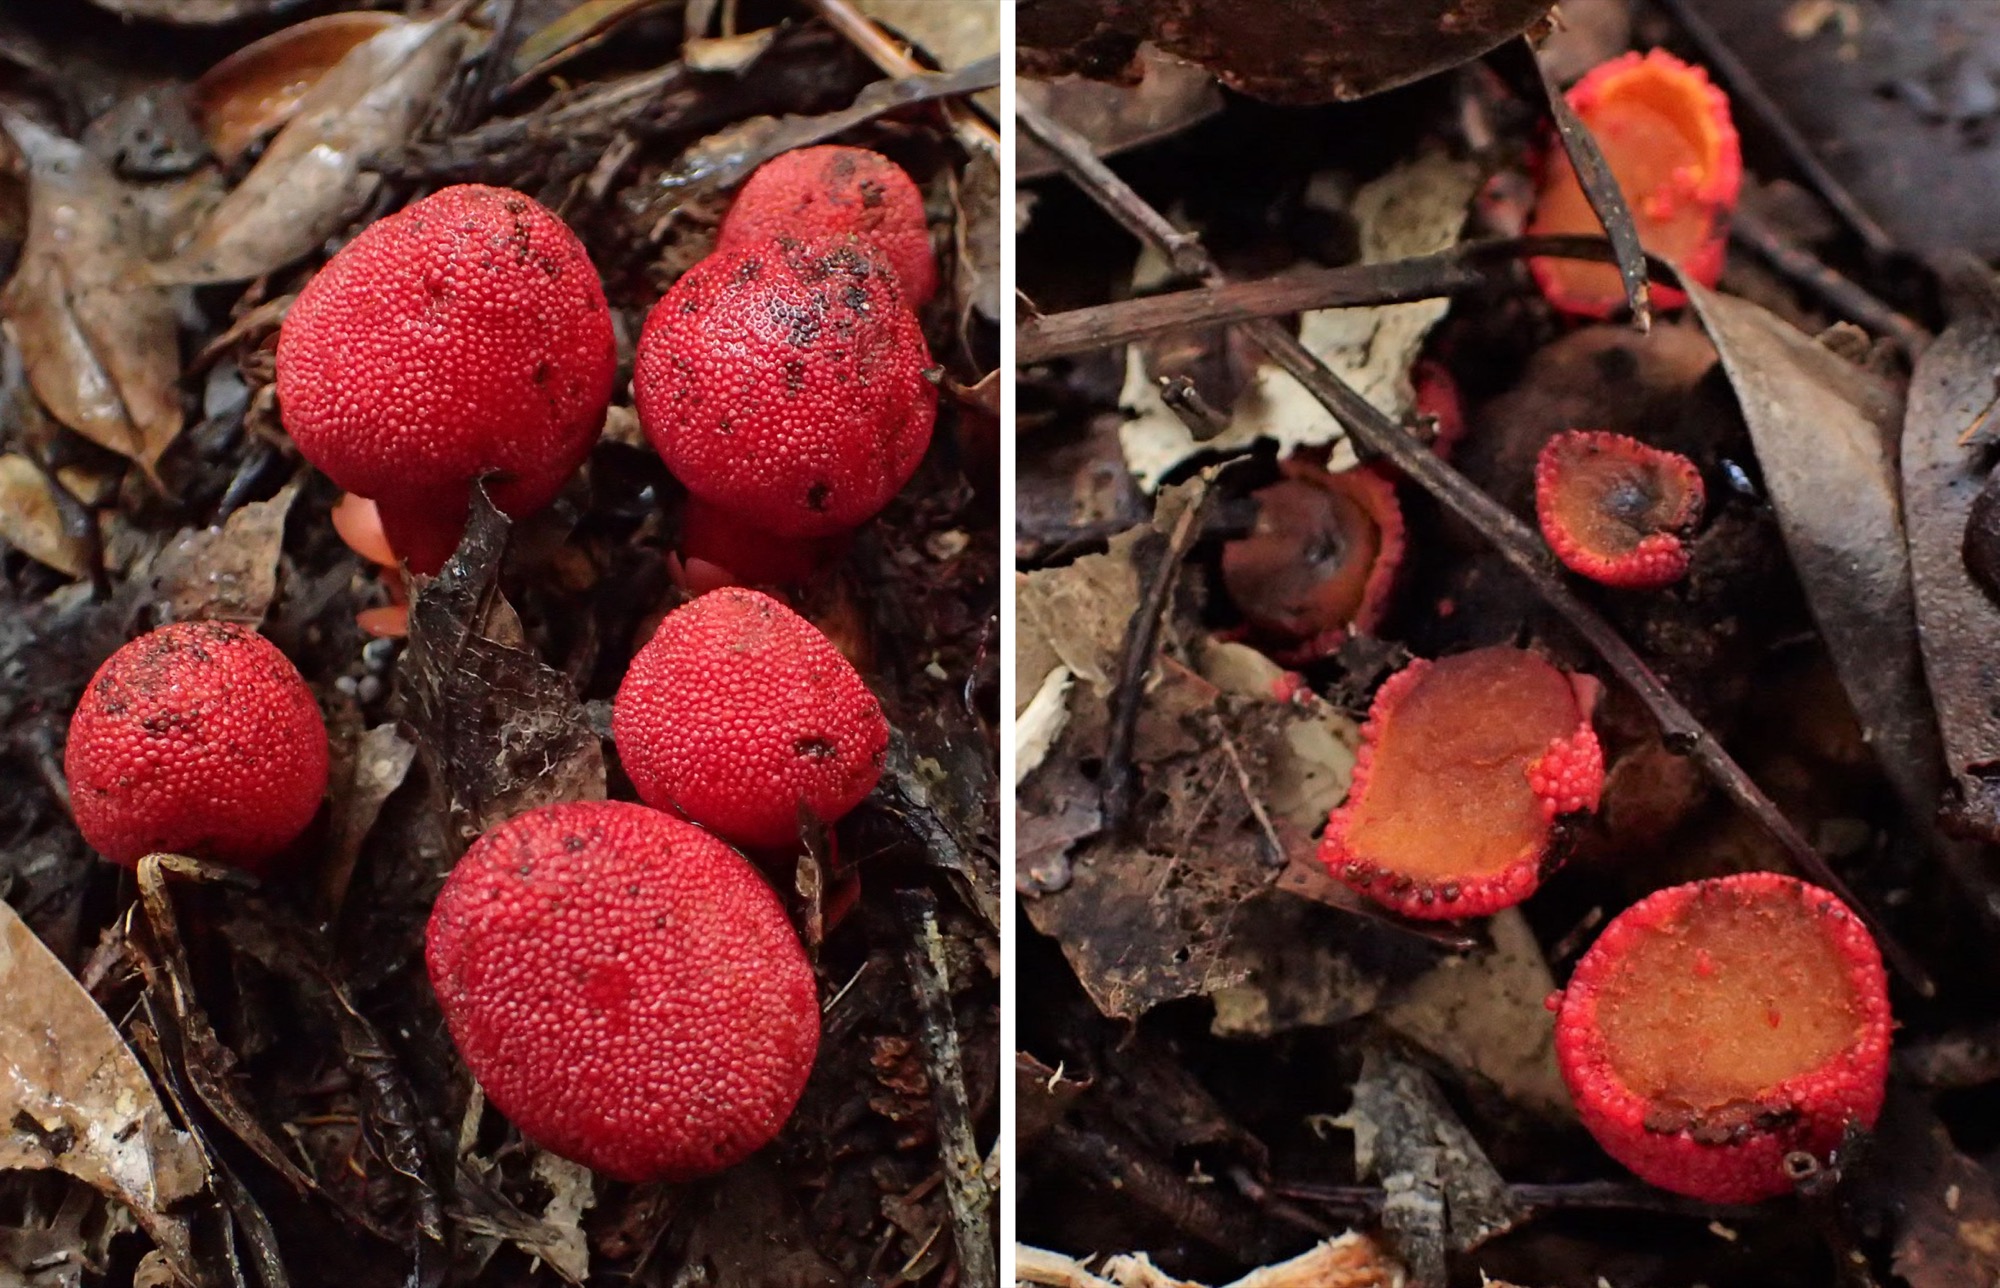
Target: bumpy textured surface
1457, 802
198, 738
785, 382
1667, 133
465, 335
626, 989
1738, 1156
738, 712
830, 191
1617, 511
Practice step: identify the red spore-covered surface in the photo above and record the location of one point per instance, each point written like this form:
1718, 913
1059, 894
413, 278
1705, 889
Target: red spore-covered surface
626, 988
1618, 511
1668, 136
785, 382
833, 191
198, 738
739, 714
1468, 768
464, 336
1718, 1026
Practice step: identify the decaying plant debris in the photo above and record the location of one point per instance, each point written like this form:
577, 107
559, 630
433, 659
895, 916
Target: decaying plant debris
208, 1080
1225, 1062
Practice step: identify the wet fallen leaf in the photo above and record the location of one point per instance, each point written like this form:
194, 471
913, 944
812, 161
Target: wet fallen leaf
74, 1097
1171, 96
500, 731
99, 344
31, 520
1278, 49
260, 86
1442, 1193
1825, 431
227, 573
1418, 208
310, 180
1943, 1207
1952, 385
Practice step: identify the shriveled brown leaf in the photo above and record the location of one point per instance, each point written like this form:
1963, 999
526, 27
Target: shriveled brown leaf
99, 342
311, 180
1942, 475
500, 731
371, 771
1825, 434
227, 573
74, 1097
260, 86
979, 229
31, 520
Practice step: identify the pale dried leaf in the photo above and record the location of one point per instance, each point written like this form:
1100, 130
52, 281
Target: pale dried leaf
376, 767
194, 13
570, 1196
1418, 208
31, 521
310, 182
94, 1114
1041, 723
98, 342
227, 573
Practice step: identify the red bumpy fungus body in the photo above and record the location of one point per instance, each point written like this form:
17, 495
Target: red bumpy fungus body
833, 191
1321, 559
464, 336
784, 382
199, 738
1468, 767
740, 715
1666, 132
1716, 1027
626, 988
1616, 510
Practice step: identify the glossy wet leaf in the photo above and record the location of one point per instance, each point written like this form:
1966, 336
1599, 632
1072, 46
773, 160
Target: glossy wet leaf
1959, 623
1825, 433
98, 341
259, 87
311, 180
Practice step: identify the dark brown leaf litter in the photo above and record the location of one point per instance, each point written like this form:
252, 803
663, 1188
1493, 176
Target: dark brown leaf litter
1203, 1027
303, 1114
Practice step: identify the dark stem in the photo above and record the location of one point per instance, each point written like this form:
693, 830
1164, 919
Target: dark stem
1375, 432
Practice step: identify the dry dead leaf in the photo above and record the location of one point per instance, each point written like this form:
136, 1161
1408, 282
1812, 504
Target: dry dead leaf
193, 13
311, 181
1418, 208
1825, 433
1350, 1261
74, 1097
1040, 723
260, 86
374, 769
98, 342
1171, 96
31, 521
227, 573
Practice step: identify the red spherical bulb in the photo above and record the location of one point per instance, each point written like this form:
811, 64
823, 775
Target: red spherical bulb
198, 738
1718, 1027
464, 336
626, 989
784, 382
831, 191
739, 712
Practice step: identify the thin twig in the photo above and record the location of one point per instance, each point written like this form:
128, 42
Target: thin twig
965, 1186
1142, 641
1683, 733
1363, 1203
1462, 268
1807, 272
974, 134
